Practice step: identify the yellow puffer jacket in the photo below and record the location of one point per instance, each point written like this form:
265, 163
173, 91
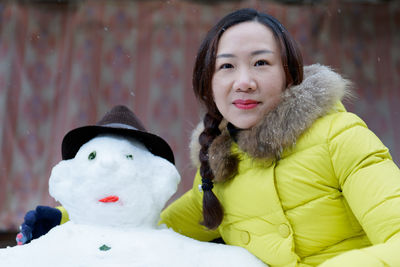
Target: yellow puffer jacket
330, 194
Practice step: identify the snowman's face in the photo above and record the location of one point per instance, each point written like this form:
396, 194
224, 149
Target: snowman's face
114, 181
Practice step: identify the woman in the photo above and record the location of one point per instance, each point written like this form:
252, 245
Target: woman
284, 170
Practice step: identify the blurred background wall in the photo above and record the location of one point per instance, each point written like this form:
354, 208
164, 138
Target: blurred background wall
63, 64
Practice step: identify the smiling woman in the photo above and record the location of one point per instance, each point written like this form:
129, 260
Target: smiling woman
238, 83
283, 169
249, 77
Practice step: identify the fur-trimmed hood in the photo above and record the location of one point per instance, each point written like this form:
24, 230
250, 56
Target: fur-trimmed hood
300, 106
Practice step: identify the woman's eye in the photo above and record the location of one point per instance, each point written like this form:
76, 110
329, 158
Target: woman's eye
226, 66
261, 63
92, 155
129, 157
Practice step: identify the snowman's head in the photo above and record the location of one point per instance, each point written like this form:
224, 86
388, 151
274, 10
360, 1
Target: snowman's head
114, 181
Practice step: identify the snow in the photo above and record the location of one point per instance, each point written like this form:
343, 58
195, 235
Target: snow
120, 230
122, 168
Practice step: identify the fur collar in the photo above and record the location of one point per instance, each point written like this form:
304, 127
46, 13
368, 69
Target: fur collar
301, 105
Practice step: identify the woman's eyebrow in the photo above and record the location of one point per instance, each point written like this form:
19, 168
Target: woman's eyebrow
254, 53
225, 55
264, 51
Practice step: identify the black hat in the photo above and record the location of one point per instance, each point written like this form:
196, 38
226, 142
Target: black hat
120, 121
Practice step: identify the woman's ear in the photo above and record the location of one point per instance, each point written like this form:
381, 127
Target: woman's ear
289, 82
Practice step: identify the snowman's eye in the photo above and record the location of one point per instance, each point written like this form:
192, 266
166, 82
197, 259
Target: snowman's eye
92, 155
129, 157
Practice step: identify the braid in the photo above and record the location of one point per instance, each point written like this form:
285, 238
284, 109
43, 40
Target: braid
212, 209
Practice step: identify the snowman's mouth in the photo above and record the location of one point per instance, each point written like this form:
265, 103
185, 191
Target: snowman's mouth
109, 199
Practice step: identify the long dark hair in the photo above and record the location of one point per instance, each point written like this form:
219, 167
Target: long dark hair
202, 77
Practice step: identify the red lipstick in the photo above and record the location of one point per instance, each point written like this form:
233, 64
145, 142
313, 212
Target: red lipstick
245, 103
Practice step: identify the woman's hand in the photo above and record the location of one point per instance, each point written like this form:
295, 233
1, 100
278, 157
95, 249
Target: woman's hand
37, 223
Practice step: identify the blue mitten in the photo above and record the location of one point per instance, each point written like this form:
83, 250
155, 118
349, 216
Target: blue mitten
37, 223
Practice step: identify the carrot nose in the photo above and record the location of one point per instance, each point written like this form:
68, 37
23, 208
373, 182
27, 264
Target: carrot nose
109, 199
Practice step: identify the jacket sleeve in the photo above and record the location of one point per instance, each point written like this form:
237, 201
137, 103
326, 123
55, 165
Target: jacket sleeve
185, 214
370, 183
64, 214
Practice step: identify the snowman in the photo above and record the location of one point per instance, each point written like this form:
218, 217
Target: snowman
114, 180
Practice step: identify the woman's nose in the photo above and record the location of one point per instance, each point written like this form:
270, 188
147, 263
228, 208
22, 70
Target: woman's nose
244, 81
